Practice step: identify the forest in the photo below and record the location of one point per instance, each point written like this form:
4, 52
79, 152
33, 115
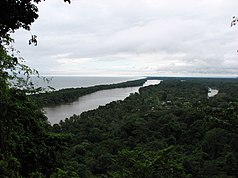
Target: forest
168, 130
172, 129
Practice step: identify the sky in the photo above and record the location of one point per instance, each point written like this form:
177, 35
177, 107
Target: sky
133, 38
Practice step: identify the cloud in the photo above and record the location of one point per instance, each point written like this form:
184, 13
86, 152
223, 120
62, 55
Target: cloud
73, 61
143, 37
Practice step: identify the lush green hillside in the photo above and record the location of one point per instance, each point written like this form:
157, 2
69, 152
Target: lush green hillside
168, 130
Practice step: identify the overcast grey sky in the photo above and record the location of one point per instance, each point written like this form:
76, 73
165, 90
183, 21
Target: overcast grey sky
133, 37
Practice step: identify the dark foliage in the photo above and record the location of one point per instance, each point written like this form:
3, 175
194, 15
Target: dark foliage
28, 147
169, 130
15, 14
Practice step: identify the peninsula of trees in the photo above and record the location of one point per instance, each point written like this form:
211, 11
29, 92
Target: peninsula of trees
71, 94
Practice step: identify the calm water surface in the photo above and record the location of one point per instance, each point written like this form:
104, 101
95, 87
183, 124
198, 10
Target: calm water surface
212, 92
90, 101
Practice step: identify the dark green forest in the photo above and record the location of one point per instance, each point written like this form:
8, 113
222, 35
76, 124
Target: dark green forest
170, 130
167, 130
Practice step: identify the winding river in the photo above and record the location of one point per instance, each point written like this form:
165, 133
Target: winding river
91, 101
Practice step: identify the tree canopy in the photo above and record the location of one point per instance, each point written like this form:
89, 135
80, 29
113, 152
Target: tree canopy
28, 148
168, 130
15, 14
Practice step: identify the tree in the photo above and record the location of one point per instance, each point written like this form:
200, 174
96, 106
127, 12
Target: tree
27, 146
15, 14
141, 163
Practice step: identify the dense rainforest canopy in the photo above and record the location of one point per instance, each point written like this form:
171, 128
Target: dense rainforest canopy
168, 130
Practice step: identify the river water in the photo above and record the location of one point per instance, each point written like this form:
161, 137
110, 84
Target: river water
91, 101
212, 92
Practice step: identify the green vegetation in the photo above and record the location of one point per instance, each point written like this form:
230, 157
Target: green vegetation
168, 130
72, 94
28, 147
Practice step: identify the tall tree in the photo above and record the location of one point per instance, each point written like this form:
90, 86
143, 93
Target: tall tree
27, 147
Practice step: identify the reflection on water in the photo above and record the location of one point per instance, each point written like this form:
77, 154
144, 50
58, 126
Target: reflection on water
90, 101
87, 102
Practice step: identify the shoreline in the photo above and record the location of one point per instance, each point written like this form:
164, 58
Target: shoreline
68, 95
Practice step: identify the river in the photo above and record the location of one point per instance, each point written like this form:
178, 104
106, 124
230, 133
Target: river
212, 92
91, 101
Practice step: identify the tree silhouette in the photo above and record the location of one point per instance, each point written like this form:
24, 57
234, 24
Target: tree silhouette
15, 14
27, 148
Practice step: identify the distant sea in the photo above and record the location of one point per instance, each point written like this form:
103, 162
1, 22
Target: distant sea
59, 82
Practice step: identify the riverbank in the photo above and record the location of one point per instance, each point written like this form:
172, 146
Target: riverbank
91, 101
172, 124
72, 94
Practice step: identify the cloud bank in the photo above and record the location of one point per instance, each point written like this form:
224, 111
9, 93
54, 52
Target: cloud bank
134, 37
